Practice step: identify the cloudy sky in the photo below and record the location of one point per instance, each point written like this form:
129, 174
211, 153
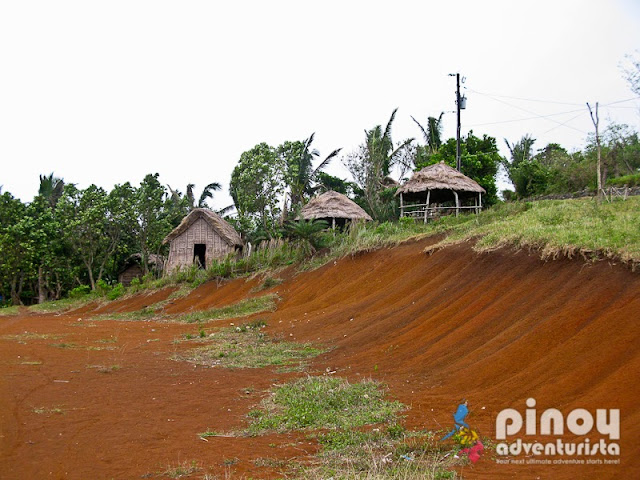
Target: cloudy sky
105, 92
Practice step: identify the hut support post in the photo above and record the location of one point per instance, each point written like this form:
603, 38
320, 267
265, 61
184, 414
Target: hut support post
455, 194
479, 201
426, 207
401, 206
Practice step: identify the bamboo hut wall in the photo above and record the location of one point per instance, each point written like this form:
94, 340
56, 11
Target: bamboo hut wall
181, 248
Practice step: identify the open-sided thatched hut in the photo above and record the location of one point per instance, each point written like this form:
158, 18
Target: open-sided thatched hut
335, 208
438, 184
202, 236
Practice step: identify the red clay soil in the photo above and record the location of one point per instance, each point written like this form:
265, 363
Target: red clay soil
495, 328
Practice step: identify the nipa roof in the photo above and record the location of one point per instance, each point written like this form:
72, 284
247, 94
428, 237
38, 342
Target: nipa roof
226, 231
439, 177
333, 205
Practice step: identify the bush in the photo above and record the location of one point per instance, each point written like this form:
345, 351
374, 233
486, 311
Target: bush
628, 180
80, 291
116, 291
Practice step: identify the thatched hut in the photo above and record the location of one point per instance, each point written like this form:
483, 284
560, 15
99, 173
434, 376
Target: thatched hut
439, 184
335, 208
201, 237
132, 267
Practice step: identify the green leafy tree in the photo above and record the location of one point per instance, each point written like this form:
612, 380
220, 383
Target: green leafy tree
16, 245
480, 160
153, 221
257, 185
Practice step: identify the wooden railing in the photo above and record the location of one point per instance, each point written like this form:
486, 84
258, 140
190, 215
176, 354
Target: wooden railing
425, 212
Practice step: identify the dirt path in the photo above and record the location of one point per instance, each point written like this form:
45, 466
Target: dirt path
108, 402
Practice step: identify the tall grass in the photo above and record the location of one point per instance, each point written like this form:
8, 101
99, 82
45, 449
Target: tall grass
569, 228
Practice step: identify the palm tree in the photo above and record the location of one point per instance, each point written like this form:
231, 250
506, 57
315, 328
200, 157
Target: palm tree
380, 157
432, 134
51, 189
207, 192
301, 175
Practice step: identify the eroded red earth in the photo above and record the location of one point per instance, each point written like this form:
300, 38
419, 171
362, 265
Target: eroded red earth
494, 328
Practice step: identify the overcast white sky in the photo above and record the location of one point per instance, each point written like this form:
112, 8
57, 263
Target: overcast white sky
105, 92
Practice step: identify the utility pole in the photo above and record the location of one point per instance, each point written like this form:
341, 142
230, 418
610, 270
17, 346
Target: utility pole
596, 123
459, 106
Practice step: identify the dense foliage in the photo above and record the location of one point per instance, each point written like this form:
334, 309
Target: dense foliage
68, 237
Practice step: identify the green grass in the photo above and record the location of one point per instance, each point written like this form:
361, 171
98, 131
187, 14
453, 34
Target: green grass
249, 306
183, 469
27, 336
356, 428
12, 310
323, 402
247, 347
243, 308
556, 228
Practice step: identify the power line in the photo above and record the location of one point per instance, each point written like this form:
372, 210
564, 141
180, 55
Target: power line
534, 113
527, 118
526, 99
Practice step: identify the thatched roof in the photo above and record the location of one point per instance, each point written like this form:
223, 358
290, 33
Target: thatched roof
226, 231
439, 177
333, 205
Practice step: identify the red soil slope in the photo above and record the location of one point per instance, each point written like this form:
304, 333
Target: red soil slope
495, 328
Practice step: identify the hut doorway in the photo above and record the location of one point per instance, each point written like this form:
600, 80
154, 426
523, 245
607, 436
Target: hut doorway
199, 254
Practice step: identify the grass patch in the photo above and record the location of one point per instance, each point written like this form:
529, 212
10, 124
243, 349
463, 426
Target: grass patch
357, 429
48, 410
183, 469
105, 368
65, 345
12, 310
244, 308
26, 336
269, 282
247, 347
323, 402
63, 304
556, 228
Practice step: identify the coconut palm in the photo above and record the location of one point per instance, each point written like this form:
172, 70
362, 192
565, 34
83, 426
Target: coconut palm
301, 175
51, 189
432, 134
207, 192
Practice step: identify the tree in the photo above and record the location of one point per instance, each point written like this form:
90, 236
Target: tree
527, 175
432, 134
257, 185
16, 246
51, 189
372, 162
299, 174
87, 216
207, 192
480, 159
152, 219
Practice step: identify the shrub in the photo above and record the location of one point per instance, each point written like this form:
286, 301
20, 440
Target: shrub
116, 291
80, 291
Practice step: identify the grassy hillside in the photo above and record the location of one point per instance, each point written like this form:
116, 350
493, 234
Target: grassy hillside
556, 228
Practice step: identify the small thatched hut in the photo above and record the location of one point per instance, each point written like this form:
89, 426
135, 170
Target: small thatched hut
438, 184
335, 208
132, 267
201, 236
